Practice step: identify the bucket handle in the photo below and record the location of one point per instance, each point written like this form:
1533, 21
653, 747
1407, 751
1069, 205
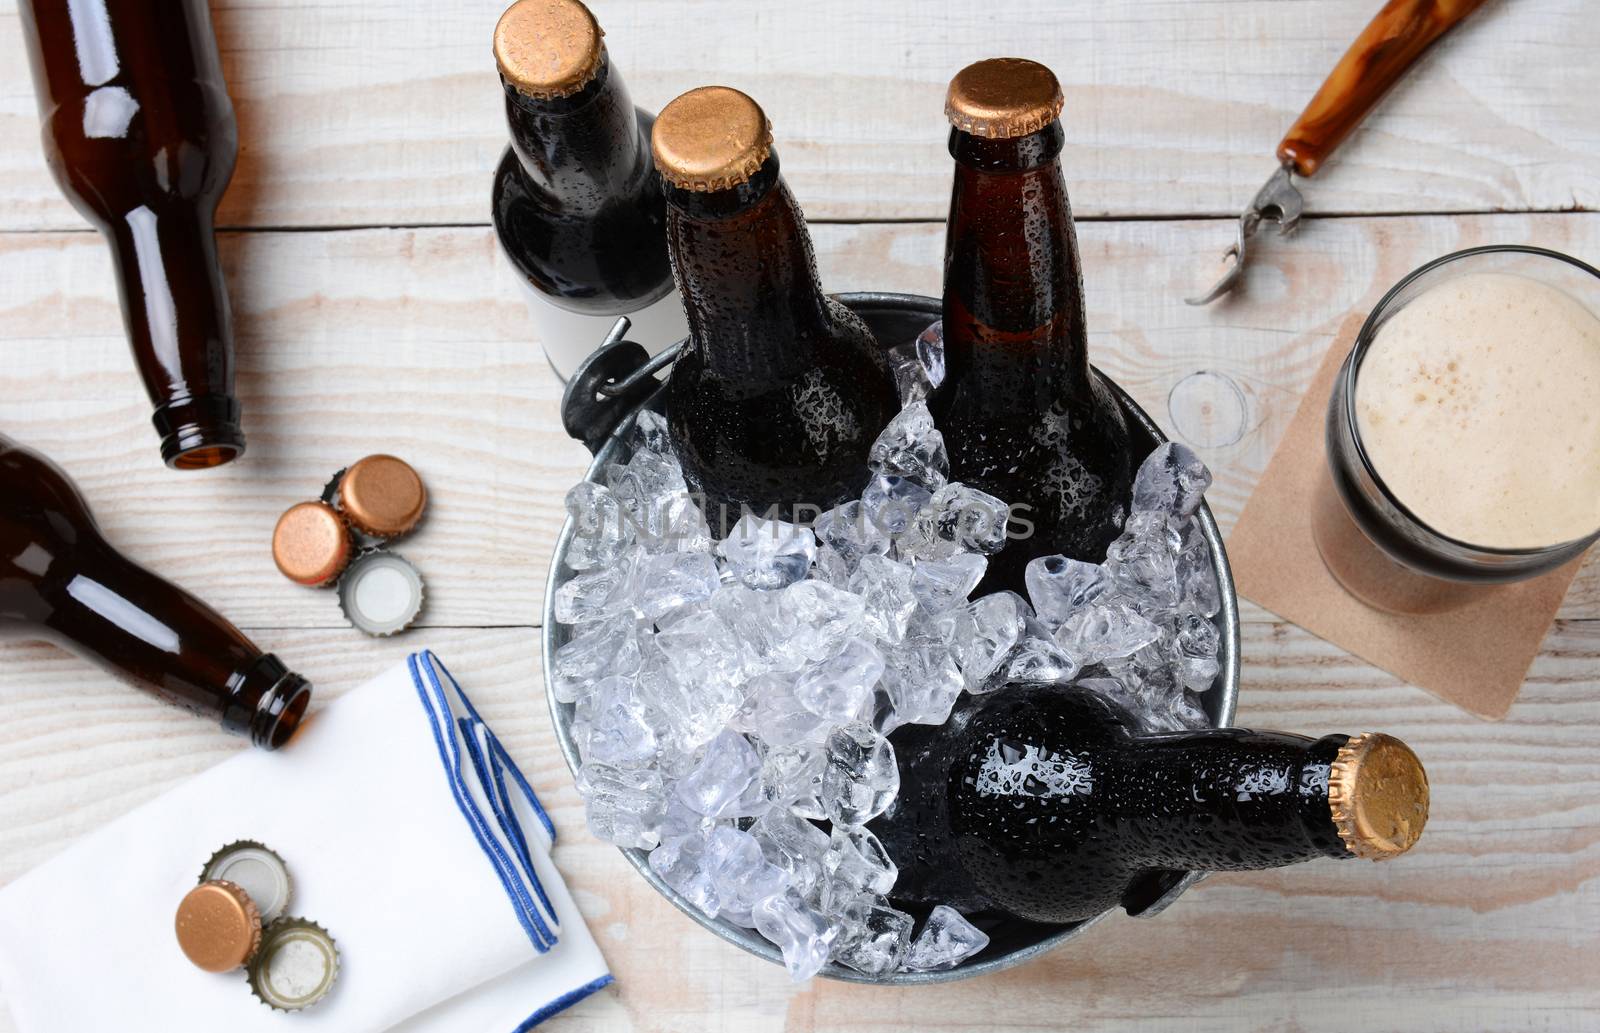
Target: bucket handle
611, 383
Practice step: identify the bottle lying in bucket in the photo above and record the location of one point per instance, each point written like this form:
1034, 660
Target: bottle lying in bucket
781, 390
1039, 801
61, 580
140, 135
577, 207
1023, 416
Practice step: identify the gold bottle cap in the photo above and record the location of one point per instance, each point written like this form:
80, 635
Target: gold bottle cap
382, 496
1378, 796
548, 48
296, 966
1003, 97
256, 869
710, 138
311, 544
218, 926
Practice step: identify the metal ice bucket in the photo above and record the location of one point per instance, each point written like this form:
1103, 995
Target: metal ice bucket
599, 408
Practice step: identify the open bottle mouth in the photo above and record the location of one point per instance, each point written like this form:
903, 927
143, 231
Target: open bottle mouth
199, 433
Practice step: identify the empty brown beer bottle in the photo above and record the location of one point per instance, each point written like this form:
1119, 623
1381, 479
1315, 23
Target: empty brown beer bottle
577, 204
1024, 417
140, 135
1044, 802
60, 580
781, 390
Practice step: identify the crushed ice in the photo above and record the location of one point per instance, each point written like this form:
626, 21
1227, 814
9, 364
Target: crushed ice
731, 695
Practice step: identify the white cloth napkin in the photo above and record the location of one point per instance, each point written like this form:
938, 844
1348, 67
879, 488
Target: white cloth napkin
410, 836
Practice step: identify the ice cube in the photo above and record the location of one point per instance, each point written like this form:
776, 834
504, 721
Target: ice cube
822, 618
984, 635
873, 936
597, 594
1172, 481
943, 584
921, 679
773, 714
946, 940
855, 863
930, 352
912, 447
803, 935
860, 779
622, 730
1103, 631
1195, 645
698, 686
848, 532
727, 781
601, 531
791, 778
837, 688
1197, 582
919, 365
768, 554
603, 648
650, 433
793, 844
623, 806
1057, 586
885, 589
666, 582
683, 864
972, 519
1035, 658
891, 503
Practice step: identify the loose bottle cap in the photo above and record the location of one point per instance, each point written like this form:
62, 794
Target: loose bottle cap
548, 48
1378, 796
381, 593
710, 138
218, 925
311, 544
1003, 97
296, 965
382, 496
258, 871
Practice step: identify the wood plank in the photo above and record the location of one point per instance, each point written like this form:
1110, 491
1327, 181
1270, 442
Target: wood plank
1491, 923
415, 342
385, 114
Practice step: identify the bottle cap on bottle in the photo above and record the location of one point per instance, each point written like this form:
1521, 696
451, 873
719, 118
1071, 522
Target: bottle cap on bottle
1003, 97
710, 138
381, 593
218, 926
1378, 796
311, 543
548, 48
382, 495
258, 871
296, 965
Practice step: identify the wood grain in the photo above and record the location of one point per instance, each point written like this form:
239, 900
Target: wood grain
414, 342
1491, 923
389, 113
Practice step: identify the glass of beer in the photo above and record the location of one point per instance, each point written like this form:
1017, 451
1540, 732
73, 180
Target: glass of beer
1463, 433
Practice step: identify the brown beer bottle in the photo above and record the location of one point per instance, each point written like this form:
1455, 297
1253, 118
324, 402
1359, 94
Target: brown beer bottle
577, 204
781, 390
60, 580
1024, 417
140, 135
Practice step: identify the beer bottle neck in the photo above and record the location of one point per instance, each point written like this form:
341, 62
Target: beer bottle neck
59, 578
1013, 289
580, 152
748, 277
1222, 799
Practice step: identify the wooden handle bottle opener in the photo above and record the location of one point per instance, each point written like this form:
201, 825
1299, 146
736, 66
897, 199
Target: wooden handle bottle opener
1386, 48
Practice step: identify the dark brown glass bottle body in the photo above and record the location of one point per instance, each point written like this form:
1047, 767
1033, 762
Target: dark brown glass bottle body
140, 135
577, 202
59, 579
1024, 417
782, 390
1038, 801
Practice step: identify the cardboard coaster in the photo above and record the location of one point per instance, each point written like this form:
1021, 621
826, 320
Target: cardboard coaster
1475, 657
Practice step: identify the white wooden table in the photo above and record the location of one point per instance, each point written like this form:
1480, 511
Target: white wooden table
373, 313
